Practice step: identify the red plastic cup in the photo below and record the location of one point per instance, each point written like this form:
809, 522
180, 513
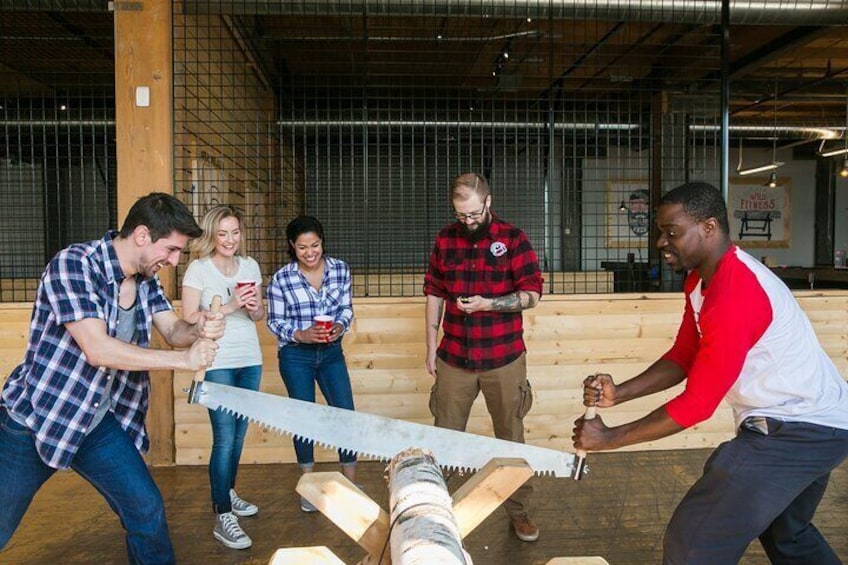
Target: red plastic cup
325, 322
243, 284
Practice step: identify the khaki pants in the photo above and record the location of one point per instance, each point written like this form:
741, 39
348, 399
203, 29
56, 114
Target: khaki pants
508, 399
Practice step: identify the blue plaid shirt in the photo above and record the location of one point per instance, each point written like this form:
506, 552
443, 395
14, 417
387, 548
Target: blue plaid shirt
292, 302
55, 391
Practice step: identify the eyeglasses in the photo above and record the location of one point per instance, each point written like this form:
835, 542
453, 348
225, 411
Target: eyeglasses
471, 216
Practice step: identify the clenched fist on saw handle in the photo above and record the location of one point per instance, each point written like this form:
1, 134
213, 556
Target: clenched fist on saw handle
201, 354
210, 326
590, 433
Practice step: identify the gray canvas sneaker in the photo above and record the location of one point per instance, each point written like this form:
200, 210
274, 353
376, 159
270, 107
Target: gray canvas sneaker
240, 506
228, 532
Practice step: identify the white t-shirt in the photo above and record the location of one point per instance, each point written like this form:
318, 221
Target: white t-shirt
239, 346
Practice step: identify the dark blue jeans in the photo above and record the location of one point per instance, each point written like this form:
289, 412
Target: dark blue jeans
228, 433
301, 366
759, 486
110, 462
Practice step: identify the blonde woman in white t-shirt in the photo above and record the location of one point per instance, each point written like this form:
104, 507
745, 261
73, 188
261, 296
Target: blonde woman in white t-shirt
220, 267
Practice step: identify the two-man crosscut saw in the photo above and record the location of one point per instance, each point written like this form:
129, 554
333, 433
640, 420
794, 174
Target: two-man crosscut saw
376, 436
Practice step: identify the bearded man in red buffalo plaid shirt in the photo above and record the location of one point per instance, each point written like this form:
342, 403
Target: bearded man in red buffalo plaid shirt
482, 274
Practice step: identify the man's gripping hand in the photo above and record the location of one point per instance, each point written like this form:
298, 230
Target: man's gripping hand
210, 325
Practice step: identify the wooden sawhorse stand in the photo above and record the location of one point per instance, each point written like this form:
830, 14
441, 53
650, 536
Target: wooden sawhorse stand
362, 519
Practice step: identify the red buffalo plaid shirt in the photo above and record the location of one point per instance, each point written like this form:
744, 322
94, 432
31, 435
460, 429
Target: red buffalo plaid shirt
501, 263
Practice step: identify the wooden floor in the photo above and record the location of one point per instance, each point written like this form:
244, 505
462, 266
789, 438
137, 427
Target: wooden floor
618, 512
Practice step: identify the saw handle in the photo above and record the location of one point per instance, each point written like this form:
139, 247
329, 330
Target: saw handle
580, 468
201, 374
589, 415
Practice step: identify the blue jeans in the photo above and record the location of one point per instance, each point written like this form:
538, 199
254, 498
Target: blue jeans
758, 485
109, 461
301, 365
228, 433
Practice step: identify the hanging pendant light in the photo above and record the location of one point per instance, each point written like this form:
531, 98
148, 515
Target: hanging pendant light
841, 150
774, 162
772, 182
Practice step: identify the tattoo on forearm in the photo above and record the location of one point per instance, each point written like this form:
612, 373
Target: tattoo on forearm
508, 303
435, 326
515, 302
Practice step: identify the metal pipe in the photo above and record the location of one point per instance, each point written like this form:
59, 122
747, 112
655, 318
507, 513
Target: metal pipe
703, 12
724, 106
587, 126
789, 131
57, 123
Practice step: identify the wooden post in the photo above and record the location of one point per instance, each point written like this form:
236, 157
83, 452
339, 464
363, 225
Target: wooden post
349, 508
423, 527
144, 146
480, 495
587, 560
317, 555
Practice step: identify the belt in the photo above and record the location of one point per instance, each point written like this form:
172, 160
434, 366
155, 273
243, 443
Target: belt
311, 345
760, 424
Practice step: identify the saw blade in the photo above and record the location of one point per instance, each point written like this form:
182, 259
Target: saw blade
375, 436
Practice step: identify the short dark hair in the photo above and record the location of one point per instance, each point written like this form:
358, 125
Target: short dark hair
700, 201
163, 214
300, 226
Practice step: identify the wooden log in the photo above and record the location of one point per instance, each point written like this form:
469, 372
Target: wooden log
423, 530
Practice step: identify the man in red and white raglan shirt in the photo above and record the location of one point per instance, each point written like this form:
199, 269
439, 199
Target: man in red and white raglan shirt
743, 338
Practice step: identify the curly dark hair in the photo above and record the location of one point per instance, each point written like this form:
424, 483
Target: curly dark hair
700, 201
300, 226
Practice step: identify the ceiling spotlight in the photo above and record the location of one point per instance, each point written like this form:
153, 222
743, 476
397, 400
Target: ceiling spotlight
761, 168
529, 20
843, 172
439, 36
772, 182
841, 150
622, 207
834, 152
63, 107
758, 169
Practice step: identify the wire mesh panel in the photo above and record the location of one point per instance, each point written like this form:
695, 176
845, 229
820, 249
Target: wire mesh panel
225, 145
565, 116
57, 153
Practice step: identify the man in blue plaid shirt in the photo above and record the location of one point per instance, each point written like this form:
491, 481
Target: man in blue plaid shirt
80, 396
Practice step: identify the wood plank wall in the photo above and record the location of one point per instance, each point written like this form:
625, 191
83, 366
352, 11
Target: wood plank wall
568, 338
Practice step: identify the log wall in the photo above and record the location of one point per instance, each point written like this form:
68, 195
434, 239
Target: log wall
568, 338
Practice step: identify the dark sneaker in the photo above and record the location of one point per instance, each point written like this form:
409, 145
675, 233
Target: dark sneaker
228, 532
524, 527
307, 506
240, 506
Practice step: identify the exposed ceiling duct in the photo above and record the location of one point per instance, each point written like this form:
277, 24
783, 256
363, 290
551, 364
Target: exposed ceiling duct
774, 12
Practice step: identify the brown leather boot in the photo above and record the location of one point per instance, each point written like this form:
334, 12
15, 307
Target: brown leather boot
524, 527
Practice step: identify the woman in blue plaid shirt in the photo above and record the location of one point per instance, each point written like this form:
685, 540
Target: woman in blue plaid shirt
312, 284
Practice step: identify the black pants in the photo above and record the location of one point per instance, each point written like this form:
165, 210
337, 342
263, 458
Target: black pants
759, 485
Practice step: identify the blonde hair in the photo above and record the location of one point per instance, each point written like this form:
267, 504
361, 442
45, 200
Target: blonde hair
468, 183
204, 245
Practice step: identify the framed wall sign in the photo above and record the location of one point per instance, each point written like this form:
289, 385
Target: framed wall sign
759, 215
628, 213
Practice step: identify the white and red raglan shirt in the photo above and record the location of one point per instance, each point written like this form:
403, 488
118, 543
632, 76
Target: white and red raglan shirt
745, 337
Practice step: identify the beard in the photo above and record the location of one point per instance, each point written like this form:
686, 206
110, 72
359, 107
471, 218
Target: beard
479, 231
